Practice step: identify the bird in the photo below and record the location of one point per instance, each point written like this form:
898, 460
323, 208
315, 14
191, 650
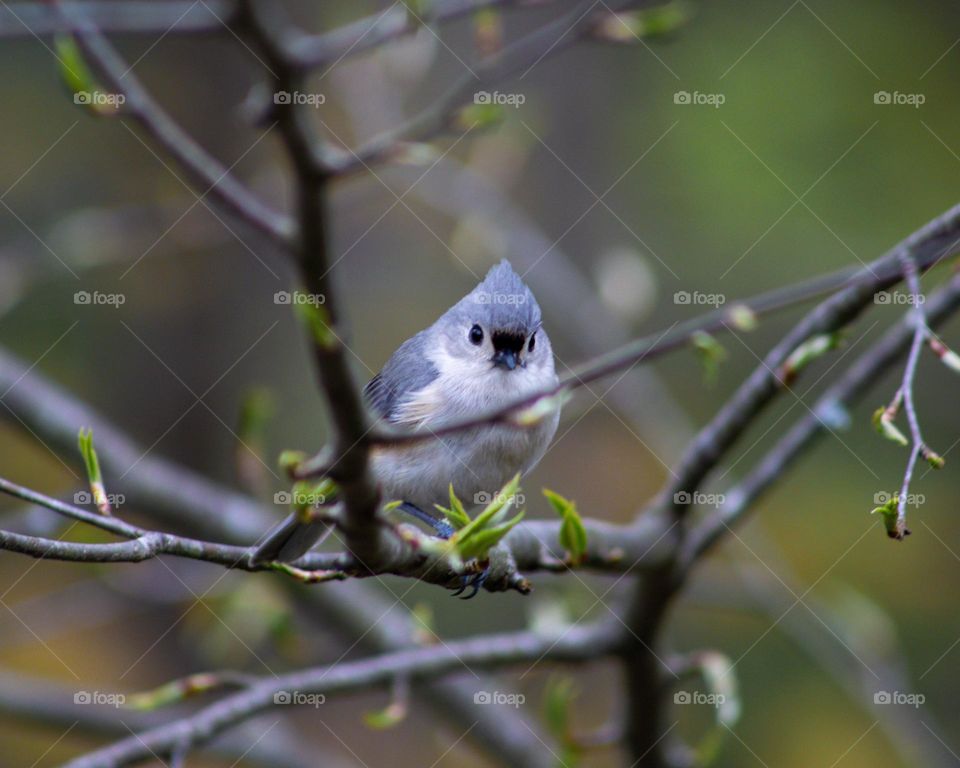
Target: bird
485, 352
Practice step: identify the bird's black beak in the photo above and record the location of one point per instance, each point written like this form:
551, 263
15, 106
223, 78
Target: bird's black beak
505, 358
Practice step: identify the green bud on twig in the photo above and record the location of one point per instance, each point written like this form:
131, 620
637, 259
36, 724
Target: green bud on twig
543, 407
883, 422
290, 460
947, 356
178, 690
934, 459
632, 26
573, 534
92, 464
806, 353
488, 31
478, 536
391, 715
891, 518
711, 353
455, 514
741, 317
317, 319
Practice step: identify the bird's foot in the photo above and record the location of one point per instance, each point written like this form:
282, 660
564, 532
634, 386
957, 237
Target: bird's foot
473, 580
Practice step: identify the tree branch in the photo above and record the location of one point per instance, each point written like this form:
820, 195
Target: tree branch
34, 700
577, 644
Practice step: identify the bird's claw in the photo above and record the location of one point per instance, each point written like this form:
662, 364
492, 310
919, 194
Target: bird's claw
475, 580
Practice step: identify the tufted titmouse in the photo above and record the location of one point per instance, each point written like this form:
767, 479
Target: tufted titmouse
487, 350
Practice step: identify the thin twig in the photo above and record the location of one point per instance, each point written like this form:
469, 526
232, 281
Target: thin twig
917, 447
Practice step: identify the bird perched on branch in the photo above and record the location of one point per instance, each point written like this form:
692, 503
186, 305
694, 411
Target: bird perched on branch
486, 351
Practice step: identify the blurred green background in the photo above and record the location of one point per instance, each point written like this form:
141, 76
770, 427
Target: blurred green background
798, 172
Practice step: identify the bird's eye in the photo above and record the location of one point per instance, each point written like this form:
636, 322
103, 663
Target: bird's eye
476, 335
532, 342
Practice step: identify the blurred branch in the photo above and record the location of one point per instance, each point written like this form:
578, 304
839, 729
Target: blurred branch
149, 17
207, 174
519, 56
577, 644
36, 701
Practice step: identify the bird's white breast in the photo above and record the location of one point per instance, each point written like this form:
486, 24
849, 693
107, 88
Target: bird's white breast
478, 461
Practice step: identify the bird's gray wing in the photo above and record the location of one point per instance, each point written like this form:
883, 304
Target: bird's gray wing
406, 372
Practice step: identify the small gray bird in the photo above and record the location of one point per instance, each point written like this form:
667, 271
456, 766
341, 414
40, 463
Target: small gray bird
487, 350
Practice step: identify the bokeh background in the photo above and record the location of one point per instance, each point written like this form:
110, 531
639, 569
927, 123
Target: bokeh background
796, 173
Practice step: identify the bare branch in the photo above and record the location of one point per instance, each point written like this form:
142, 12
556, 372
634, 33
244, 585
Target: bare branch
577, 644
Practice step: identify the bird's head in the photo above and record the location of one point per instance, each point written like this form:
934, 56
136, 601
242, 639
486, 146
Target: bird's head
496, 328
